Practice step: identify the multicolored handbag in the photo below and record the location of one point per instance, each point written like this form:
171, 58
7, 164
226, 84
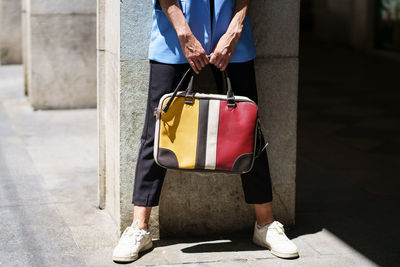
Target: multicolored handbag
205, 132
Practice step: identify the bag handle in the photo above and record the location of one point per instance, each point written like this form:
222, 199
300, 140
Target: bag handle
189, 92
226, 86
177, 89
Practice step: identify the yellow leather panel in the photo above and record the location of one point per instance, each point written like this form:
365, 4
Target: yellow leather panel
178, 131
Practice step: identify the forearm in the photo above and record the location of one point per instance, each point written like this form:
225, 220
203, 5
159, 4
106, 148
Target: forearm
226, 45
175, 16
236, 25
191, 47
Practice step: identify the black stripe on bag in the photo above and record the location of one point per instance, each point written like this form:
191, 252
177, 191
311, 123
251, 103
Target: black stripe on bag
202, 134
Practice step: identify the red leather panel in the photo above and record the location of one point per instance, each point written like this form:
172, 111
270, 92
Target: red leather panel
235, 133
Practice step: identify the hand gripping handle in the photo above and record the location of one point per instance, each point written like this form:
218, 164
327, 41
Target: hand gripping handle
189, 92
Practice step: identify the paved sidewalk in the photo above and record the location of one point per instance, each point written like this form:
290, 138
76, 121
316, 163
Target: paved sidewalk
347, 181
48, 183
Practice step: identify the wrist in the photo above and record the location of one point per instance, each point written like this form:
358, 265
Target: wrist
232, 37
183, 33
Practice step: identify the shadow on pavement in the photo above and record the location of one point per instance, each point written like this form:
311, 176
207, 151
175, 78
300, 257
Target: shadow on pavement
226, 243
348, 170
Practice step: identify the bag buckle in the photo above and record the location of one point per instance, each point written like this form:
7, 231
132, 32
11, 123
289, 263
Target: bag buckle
157, 112
189, 100
231, 102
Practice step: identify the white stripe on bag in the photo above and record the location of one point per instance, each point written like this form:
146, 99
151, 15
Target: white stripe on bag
212, 134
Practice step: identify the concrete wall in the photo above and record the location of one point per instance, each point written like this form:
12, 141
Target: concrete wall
187, 195
62, 53
11, 32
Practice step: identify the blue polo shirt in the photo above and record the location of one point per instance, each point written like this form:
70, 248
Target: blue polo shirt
164, 43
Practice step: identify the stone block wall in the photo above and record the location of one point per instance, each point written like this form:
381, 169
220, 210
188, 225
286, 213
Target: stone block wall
10, 32
61, 53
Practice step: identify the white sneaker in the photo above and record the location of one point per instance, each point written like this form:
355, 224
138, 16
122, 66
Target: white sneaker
132, 241
273, 237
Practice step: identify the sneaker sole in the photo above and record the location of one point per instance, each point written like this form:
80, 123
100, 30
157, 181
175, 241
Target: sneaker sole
276, 253
130, 259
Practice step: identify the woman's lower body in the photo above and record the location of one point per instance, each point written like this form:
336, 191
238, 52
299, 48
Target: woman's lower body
149, 176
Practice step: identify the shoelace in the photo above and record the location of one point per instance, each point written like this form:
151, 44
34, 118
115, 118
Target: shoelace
278, 227
132, 233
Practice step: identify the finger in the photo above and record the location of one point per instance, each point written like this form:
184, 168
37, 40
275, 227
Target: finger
197, 64
205, 59
212, 58
215, 61
200, 59
224, 63
217, 57
191, 63
218, 62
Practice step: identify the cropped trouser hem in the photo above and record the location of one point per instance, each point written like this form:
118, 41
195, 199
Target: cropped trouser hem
145, 202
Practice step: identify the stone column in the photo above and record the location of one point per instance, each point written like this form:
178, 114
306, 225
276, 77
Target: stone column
202, 202
61, 53
26, 41
276, 34
108, 104
124, 66
11, 32
101, 75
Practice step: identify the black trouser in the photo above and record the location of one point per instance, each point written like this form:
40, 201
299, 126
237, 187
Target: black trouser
149, 176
